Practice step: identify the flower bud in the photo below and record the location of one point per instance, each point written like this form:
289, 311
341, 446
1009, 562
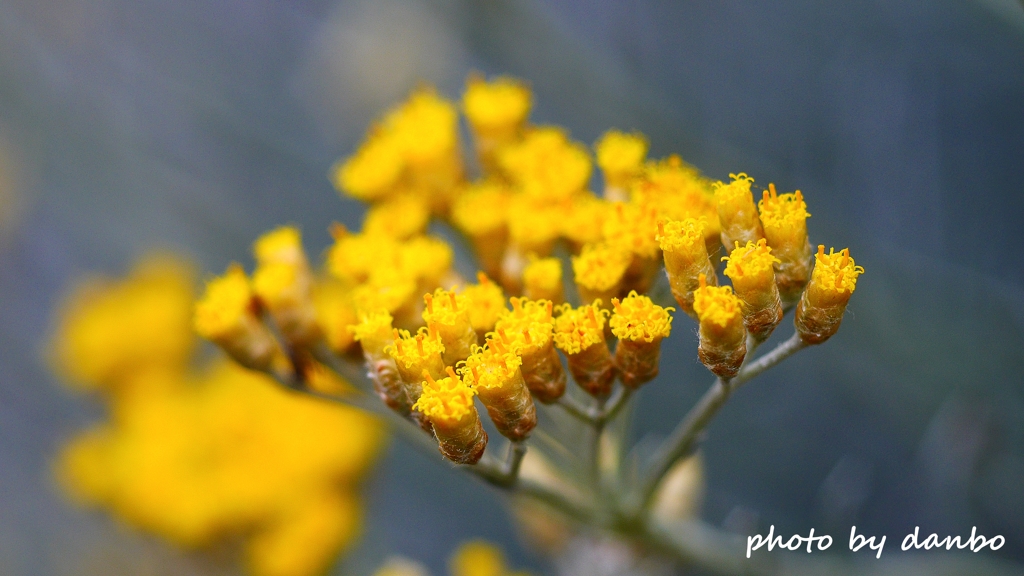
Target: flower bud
498, 381
496, 111
284, 283
686, 257
579, 333
414, 355
542, 280
736, 211
621, 158
785, 226
481, 213
640, 325
375, 333
823, 302
526, 331
449, 312
753, 278
227, 315
722, 335
599, 271
486, 303
448, 405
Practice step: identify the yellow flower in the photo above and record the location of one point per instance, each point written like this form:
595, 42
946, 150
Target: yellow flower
416, 355
824, 300
374, 170
677, 191
448, 404
785, 226
637, 318
494, 373
527, 330
542, 280
425, 127
736, 211
722, 334
634, 228
582, 219
497, 108
546, 166
621, 157
477, 558
686, 258
580, 334
335, 313
374, 331
449, 312
486, 303
400, 216
283, 282
599, 271
108, 328
752, 273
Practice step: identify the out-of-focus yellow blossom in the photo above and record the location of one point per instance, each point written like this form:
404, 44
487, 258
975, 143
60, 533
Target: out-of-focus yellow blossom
471, 558
353, 257
784, 217
824, 301
722, 334
534, 224
542, 280
736, 211
481, 213
547, 166
677, 191
184, 454
374, 170
401, 216
486, 303
284, 283
752, 273
599, 271
335, 312
621, 158
108, 328
496, 109
582, 220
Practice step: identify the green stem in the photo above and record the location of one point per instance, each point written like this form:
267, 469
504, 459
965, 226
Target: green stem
684, 438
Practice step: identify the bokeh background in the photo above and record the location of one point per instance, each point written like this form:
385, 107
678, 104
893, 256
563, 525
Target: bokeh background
132, 125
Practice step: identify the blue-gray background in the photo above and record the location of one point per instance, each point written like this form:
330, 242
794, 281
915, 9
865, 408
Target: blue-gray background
129, 125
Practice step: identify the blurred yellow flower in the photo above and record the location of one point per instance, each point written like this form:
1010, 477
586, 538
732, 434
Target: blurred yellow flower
187, 452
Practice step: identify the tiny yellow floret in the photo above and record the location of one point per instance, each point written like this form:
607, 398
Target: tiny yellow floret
373, 171
637, 318
600, 267
490, 369
784, 217
750, 267
401, 216
227, 301
486, 303
736, 211
577, 329
498, 107
834, 277
621, 156
717, 305
542, 279
446, 401
374, 331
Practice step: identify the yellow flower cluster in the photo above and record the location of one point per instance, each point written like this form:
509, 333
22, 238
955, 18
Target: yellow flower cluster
528, 211
185, 452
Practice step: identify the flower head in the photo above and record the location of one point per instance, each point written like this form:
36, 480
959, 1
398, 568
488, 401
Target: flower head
498, 107
621, 156
834, 278
447, 401
542, 279
736, 210
486, 303
750, 267
374, 331
600, 267
374, 170
577, 329
637, 318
